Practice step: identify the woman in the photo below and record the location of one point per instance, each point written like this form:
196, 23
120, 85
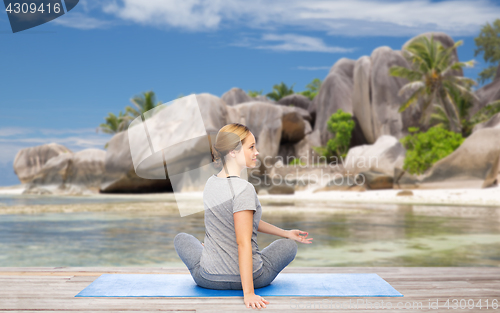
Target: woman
230, 257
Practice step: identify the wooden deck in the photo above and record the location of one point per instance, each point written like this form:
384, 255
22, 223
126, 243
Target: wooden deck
53, 289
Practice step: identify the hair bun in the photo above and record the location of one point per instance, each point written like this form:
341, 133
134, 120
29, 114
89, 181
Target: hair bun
216, 158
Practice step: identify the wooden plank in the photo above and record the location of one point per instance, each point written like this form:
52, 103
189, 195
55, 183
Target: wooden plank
221, 306
54, 289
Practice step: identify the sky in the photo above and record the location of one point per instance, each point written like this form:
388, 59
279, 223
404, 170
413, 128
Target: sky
59, 80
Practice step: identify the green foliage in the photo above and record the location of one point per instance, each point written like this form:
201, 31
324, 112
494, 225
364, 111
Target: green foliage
488, 43
423, 149
463, 103
296, 161
312, 89
341, 126
280, 91
254, 93
432, 80
115, 124
486, 113
143, 103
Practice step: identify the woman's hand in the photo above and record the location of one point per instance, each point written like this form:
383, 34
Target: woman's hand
255, 301
295, 235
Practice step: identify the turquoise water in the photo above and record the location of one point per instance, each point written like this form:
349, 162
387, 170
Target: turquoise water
344, 235
11, 200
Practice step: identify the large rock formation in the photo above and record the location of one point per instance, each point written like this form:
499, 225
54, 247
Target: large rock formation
262, 98
294, 127
120, 175
29, 161
296, 100
385, 99
376, 98
368, 166
382, 156
236, 96
304, 149
474, 164
70, 174
264, 119
303, 113
361, 98
335, 93
493, 122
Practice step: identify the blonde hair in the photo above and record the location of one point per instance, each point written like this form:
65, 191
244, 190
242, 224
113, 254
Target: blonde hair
229, 137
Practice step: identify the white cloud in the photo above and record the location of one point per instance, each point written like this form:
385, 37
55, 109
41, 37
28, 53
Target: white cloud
337, 17
293, 42
186, 14
290, 42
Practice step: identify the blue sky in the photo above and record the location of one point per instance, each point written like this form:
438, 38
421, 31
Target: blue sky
58, 81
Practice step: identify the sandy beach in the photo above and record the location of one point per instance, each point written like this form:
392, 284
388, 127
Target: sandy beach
488, 197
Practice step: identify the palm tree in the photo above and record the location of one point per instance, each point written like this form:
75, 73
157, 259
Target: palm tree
432, 80
463, 104
280, 91
142, 103
114, 124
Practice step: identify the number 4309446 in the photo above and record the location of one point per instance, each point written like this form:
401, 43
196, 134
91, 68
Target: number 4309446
32, 8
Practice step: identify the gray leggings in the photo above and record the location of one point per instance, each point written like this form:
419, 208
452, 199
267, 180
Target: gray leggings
275, 258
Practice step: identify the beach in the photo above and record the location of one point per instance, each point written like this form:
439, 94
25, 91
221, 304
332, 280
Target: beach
301, 200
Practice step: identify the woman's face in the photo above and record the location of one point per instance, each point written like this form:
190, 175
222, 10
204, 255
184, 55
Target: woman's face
250, 151
247, 156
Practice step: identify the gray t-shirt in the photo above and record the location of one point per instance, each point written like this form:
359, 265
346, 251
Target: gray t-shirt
219, 259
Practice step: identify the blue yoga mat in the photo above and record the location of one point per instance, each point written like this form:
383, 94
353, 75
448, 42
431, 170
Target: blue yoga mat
287, 285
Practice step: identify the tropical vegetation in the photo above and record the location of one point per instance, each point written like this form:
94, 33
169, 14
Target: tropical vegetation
432, 79
423, 149
142, 103
115, 124
341, 125
279, 91
312, 89
254, 93
488, 43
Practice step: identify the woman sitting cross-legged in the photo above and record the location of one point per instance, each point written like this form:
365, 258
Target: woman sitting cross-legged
230, 257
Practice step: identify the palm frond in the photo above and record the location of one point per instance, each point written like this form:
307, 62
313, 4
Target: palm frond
414, 97
403, 72
411, 86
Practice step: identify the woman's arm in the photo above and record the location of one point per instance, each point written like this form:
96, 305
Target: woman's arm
243, 225
267, 228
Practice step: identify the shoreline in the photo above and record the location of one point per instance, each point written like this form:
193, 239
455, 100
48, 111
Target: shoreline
300, 201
